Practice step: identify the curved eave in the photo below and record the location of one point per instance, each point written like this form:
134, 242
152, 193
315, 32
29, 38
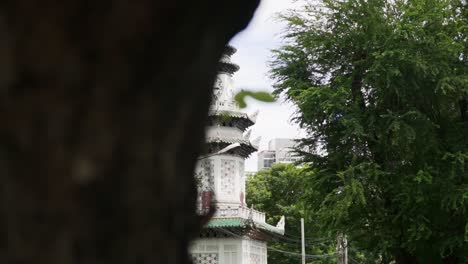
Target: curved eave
269, 228
244, 150
228, 113
229, 50
228, 67
242, 118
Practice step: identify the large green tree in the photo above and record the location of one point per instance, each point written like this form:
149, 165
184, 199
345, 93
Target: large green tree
382, 89
286, 190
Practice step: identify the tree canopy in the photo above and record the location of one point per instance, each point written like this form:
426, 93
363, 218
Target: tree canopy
382, 90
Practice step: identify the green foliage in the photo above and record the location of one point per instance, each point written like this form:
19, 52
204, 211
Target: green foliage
280, 191
382, 89
260, 96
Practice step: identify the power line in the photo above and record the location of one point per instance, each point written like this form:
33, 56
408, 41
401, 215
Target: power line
308, 256
310, 241
318, 241
290, 241
290, 253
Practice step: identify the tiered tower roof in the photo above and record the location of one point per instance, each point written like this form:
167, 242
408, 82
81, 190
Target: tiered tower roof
225, 64
223, 174
228, 123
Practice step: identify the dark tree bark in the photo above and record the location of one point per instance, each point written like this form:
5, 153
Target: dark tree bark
102, 108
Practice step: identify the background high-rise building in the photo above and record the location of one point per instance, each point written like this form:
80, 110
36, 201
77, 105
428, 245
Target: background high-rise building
280, 150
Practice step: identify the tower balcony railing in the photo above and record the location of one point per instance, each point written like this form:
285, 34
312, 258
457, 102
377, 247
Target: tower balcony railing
231, 211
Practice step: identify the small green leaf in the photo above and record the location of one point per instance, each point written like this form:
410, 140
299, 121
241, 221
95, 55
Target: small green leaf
260, 96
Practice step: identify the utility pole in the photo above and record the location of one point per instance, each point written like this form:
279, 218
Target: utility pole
345, 245
341, 249
303, 241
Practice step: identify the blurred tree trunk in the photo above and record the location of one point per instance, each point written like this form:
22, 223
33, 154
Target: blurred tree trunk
102, 109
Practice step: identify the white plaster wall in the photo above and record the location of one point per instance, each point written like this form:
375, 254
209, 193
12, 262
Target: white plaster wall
235, 176
224, 93
224, 132
228, 250
254, 252
232, 250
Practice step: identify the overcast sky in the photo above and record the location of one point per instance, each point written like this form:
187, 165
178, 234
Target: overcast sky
254, 47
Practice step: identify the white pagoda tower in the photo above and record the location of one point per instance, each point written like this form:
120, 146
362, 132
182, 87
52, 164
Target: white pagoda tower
236, 234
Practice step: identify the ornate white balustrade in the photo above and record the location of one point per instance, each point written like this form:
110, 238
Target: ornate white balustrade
227, 211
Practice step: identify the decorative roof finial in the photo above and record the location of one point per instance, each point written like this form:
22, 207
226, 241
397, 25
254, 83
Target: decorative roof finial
247, 134
281, 223
256, 142
254, 116
251, 212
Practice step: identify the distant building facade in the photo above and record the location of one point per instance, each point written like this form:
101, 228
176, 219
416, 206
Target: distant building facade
280, 150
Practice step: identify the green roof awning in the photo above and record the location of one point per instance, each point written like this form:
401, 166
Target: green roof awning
242, 223
226, 222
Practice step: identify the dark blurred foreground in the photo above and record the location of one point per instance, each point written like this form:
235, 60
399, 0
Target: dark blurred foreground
103, 106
